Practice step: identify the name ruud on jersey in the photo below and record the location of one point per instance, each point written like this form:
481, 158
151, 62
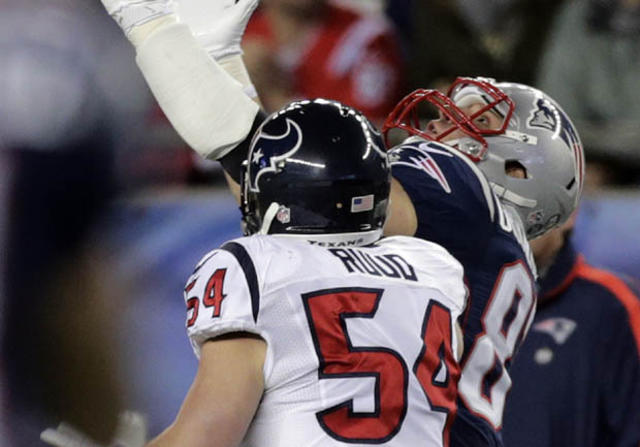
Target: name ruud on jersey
388, 265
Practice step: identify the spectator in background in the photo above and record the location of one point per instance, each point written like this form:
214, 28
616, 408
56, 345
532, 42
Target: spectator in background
314, 48
70, 99
576, 378
400, 12
592, 66
502, 39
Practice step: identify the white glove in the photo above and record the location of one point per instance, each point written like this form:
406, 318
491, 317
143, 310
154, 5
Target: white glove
217, 24
130, 14
131, 431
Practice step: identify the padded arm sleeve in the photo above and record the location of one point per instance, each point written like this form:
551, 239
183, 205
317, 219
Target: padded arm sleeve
206, 106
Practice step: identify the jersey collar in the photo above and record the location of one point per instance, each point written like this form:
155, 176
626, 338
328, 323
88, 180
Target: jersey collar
561, 274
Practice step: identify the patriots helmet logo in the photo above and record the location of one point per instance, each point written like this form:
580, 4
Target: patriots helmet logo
544, 115
268, 151
547, 116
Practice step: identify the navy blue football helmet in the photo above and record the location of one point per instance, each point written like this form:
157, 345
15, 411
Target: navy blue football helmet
316, 167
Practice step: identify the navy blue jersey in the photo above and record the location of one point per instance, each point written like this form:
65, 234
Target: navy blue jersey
577, 376
456, 208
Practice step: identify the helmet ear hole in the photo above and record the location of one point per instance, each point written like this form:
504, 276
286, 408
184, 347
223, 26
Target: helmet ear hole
515, 169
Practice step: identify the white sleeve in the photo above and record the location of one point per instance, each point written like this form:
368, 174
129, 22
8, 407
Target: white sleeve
206, 106
218, 299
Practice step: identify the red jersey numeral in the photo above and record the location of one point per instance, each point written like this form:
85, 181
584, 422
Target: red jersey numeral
213, 296
435, 367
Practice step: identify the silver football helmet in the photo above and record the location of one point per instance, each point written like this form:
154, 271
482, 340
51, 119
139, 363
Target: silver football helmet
535, 135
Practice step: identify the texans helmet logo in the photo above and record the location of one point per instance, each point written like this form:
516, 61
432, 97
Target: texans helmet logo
544, 116
268, 150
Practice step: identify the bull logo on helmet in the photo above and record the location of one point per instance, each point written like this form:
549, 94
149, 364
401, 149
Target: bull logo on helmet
545, 116
268, 151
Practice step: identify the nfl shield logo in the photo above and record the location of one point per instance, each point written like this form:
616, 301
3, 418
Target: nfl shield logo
284, 215
535, 217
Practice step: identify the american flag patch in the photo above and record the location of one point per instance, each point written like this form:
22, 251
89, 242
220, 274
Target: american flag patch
363, 203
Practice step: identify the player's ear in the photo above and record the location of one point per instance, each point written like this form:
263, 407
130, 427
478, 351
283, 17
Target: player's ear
515, 169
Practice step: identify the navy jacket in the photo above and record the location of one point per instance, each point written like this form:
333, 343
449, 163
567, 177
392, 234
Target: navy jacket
576, 378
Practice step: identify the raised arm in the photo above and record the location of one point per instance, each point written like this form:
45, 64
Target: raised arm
206, 105
193, 65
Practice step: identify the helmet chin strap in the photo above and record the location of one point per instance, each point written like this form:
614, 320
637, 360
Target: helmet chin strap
512, 197
269, 215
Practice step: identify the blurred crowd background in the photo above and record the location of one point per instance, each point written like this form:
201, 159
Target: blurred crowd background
104, 211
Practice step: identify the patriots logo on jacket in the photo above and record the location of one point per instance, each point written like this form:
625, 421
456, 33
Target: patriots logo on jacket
420, 158
269, 150
544, 116
558, 328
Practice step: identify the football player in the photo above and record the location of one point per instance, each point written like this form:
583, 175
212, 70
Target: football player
501, 164
314, 331
510, 170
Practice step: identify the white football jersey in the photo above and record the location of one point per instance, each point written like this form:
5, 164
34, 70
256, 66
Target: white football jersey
361, 344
